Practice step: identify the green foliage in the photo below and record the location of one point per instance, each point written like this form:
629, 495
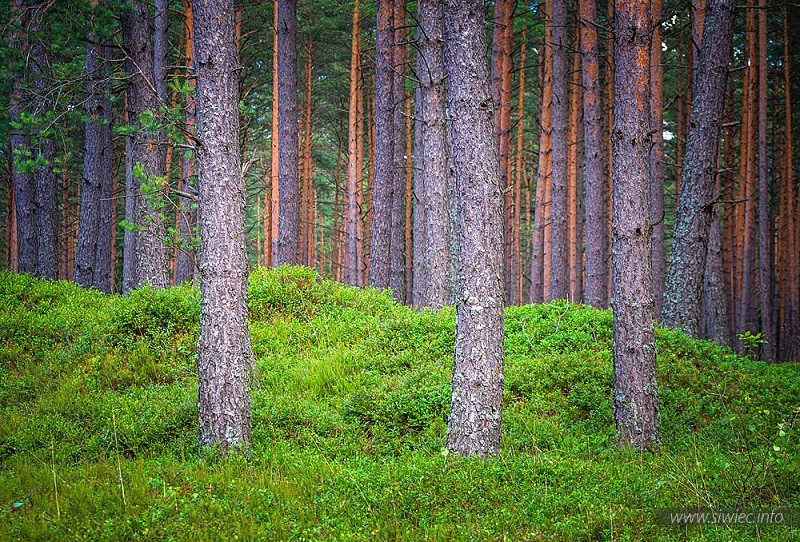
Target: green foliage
349, 421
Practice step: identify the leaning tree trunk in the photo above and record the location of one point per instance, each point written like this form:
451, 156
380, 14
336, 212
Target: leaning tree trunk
684, 287
476, 409
636, 412
559, 253
289, 186
435, 154
596, 265
225, 355
97, 166
383, 190
146, 183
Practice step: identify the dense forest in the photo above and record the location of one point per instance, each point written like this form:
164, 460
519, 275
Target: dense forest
487, 164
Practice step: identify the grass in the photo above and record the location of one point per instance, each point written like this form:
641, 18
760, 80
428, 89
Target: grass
98, 397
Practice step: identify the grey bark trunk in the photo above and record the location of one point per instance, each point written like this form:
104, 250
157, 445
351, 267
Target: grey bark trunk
683, 291
46, 203
435, 153
129, 235
420, 279
716, 317
657, 158
636, 413
559, 252
145, 155
596, 250
382, 193
225, 355
22, 178
476, 409
288, 182
97, 170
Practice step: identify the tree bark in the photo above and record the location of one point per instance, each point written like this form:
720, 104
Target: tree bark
397, 250
636, 412
353, 175
596, 232
476, 409
225, 355
145, 158
765, 257
435, 154
97, 170
683, 292
574, 194
288, 180
559, 251
657, 158
383, 190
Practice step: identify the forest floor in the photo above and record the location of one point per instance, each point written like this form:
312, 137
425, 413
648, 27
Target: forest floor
98, 425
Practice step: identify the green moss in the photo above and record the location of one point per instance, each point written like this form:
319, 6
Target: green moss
349, 421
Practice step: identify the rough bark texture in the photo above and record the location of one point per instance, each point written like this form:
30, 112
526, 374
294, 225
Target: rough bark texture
435, 154
596, 236
145, 156
716, 318
574, 193
353, 174
129, 236
288, 181
380, 232
97, 167
46, 201
397, 243
765, 238
636, 413
476, 409
559, 251
657, 158
418, 192
683, 293
22, 178
225, 355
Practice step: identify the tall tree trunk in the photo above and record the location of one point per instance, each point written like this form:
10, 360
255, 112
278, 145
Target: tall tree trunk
434, 154
46, 201
596, 229
353, 175
146, 164
516, 253
409, 204
289, 187
419, 278
684, 287
382, 193
573, 191
657, 158
748, 317
765, 257
559, 251
636, 412
185, 267
97, 171
225, 356
23, 181
274, 177
545, 165
476, 409
715, 318
397, 246
307, 191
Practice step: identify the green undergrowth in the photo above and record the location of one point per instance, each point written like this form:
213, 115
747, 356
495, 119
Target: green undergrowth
98, 424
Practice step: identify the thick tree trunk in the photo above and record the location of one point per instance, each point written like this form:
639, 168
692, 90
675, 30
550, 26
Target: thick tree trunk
476, 409
288, 180
716, 318
90, 259
559, 251
435, 154
419, 278
382, 193
684, 287
145, 156
596, 229
574, 194
636, 412
657, 158
23, 180
225, 356
397, 246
